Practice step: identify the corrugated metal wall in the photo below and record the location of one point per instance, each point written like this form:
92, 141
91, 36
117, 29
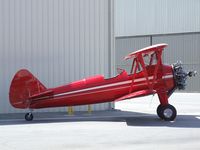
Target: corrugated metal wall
181, 47
146, 17
59, 41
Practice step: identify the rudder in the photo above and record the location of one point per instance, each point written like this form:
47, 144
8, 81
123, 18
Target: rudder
24, 85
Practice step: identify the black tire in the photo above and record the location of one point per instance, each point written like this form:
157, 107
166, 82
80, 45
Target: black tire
29, 116
159, 109
168, 112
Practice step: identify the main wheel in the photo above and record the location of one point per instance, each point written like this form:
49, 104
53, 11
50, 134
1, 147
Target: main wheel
167, 112
29, 116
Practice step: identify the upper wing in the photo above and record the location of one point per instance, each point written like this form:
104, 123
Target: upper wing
146, 50
136, 94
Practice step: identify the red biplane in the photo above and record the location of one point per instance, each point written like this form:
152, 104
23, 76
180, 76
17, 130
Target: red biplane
148, 76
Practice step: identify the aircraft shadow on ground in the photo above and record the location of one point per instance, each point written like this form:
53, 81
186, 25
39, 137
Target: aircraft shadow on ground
182, 121
130, 118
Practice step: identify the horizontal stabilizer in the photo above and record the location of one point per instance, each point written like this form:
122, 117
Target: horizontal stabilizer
41, 95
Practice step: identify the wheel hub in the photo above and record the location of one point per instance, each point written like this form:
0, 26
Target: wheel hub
168, 113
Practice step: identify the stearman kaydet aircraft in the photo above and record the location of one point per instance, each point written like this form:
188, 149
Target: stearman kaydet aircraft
148, 76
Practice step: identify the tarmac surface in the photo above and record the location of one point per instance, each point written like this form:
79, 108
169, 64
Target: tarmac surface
134, 125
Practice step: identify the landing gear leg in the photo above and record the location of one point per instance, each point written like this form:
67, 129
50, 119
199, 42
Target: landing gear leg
29, 116
165, 111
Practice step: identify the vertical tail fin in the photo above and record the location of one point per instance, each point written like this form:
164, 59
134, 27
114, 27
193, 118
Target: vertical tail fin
23, 85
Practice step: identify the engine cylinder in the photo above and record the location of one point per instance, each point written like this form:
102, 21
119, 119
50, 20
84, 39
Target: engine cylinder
180, 76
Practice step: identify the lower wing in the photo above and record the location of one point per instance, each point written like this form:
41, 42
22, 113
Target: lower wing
136, 94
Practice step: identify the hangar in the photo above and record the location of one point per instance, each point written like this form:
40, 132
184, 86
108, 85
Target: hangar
60, 41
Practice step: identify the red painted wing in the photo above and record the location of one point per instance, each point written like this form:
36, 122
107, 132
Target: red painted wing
136, 94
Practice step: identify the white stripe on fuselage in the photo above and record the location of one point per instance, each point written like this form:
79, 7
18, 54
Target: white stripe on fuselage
106, 86
167, 76
111, 85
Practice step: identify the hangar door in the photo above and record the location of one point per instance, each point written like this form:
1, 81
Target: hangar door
181, 47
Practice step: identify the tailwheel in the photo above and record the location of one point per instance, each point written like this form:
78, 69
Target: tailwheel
167, 112
29, 116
